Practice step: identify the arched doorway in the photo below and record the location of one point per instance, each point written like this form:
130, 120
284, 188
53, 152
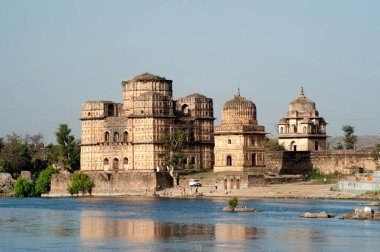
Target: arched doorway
293, 146
253, 159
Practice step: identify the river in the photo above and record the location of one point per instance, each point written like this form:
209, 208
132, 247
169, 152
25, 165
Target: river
146, 224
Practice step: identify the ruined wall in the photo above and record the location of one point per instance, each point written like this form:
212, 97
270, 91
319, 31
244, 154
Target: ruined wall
121, 183
300, 162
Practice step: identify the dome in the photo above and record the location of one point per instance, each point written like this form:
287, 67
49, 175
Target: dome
302, 105
239, 110
147, 77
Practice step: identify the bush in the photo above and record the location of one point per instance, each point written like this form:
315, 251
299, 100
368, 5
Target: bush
80, 182
315, 174
24, 188
44, 180
233, 202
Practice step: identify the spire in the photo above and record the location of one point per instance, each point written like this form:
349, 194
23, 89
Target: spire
238, 92
302, 95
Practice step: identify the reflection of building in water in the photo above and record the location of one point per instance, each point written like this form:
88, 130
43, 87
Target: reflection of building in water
227, 232
96, 225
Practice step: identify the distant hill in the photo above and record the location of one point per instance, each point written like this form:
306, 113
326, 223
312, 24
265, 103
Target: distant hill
364, 142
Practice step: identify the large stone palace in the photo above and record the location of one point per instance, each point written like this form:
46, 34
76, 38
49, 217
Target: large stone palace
127, 136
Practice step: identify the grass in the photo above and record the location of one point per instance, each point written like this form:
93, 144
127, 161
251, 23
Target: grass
317, 176
371, 193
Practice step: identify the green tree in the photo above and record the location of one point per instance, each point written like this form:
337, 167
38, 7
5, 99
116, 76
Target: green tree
15, 155
350, 138
376, 155
43, 181
69, 150
273, 145
24, 188
233, 202
175, 142
80, 182
36, 152
339, 146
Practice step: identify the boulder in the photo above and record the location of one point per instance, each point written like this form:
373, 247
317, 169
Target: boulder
322, 214
6, 183
26, 175
244, 209
360, 214
228, 209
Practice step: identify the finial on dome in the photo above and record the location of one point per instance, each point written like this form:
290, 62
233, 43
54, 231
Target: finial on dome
238, 94
302, 95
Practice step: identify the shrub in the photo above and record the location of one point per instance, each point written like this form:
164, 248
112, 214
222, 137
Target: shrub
233, 202
315, 174
24, 188
44, 180
80, 182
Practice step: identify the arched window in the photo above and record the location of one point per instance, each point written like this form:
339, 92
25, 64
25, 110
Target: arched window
229, 141
116, 137
106, 137
125, 137
125, 164
229, 161
252, 141
281, 130
304, 129
193, 160
106, 164
294, 129
115, 164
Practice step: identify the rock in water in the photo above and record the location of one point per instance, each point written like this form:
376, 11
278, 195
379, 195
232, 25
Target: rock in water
322, 214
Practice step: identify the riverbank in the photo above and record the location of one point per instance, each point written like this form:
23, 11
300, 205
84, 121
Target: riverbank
273, 191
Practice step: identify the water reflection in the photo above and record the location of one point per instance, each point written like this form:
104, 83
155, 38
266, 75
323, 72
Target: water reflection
102, 226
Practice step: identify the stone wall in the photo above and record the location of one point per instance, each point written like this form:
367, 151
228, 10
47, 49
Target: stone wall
121, 183
300, 162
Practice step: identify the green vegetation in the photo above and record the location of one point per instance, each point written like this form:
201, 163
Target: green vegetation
175, 142
316, 175
371, 193
349, 138
273, 145
233, 202
80, 182
44, 179
24, 188
339, 146
68, 148
376, 155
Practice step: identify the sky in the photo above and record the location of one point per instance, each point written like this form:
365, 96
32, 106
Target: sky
56, 55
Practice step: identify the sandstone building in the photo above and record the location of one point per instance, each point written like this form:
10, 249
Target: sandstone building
239, 140
126, 137
303, 129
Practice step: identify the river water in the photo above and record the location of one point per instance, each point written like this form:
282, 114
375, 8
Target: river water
145, 224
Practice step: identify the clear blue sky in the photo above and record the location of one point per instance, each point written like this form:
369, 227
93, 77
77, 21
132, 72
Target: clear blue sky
55, 55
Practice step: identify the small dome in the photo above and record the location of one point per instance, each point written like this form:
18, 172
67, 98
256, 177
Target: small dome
302, 104
196, 95
239, 110
145, 77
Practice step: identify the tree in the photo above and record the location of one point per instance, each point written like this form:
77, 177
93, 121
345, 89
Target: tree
80, 182
24, 188
349, 138
233, 202
43, 181
69, 150
175, 142
339, 146
15, 155
376, 155
273, 145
